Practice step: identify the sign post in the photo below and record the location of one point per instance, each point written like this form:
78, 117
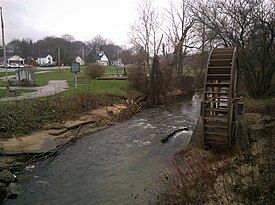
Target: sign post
75, 80
75, 68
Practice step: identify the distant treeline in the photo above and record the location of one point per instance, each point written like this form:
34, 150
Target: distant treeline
69, 49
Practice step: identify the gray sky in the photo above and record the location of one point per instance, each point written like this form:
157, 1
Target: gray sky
82, 18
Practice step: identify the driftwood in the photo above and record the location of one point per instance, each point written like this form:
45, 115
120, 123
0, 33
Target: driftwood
51, 153
55, 151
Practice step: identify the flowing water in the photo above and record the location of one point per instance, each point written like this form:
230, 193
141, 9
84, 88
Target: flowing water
117, 165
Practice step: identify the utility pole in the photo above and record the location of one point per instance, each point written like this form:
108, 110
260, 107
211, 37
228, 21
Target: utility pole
4, 45
83, 54
58, 56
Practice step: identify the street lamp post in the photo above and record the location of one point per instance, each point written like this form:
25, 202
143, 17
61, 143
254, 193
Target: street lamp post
4, 45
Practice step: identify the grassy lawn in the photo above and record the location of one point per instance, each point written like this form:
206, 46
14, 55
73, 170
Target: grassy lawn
112, 70
2, 83
116, 87
4, 93
3, 74
43, 78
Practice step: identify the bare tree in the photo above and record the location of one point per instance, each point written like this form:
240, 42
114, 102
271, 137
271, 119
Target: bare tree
126, 56
179, 31
68, 37
145, 32
249, 25
97, 42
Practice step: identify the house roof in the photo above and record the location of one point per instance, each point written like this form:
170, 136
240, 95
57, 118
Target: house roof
104, 58
44, 56
101, 56
16, 58
78, 57
98, 56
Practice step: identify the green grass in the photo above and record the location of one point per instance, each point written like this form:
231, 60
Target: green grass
116, 87
2, 83
113, 70
3, 74
43, 78
4, 93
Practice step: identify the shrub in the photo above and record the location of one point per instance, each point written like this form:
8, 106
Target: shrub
94, 71
138, 78
188, 179
199, 78
186, 84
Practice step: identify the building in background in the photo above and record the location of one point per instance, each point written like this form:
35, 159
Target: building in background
79, 60
102, 59
16, 60
45, 61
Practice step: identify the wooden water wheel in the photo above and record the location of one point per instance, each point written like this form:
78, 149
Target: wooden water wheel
219, 106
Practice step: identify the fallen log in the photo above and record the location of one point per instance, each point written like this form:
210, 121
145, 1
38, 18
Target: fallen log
165, 139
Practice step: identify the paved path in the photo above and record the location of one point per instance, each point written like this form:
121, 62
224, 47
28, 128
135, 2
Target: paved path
53, 87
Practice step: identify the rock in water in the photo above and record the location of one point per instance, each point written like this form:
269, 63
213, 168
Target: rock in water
7, 177
13, 190
3, 191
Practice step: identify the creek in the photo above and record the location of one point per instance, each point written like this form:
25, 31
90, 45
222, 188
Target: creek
117, 165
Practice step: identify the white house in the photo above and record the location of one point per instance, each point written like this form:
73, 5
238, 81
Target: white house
16, 59
102, 59
79, 60
48, 60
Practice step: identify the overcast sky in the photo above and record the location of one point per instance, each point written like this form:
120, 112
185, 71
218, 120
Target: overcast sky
81, 18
